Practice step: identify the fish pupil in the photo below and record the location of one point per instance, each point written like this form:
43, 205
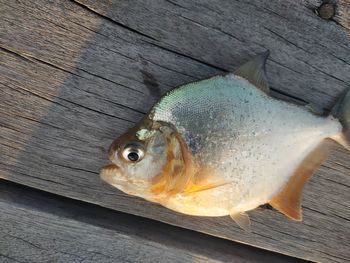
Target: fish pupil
133, 156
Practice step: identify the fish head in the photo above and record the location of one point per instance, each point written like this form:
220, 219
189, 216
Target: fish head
140, 158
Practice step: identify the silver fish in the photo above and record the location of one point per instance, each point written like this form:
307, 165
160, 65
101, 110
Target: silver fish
224, 146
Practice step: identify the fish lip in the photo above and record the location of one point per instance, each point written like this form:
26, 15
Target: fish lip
108, 172
111, 166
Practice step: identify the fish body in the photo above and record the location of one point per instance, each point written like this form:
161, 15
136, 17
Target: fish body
251, 141
224, 146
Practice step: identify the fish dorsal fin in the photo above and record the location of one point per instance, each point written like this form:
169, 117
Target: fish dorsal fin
288, 201
254, 71
336, 109
242, 219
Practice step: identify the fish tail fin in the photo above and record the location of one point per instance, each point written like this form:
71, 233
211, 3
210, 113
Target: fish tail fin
341, 111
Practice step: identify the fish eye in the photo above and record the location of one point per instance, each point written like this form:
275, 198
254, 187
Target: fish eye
133, 152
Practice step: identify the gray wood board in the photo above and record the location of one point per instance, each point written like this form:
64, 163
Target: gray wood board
75, 75
40, 227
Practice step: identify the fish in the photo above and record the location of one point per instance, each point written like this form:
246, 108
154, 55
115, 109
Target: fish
224, 146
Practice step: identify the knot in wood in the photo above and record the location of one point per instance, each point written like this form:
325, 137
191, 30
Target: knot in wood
326, 10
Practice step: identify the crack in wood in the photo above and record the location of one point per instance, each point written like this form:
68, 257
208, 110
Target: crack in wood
330, 75
11, 258
73, 168
112, 20
285, 39
15, 54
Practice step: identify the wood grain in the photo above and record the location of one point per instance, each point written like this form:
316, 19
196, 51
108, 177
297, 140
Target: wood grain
76, 74
342, 15
40, 227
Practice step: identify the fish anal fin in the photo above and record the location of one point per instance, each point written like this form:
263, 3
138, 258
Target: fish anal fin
288, 200
242, 219
254, 71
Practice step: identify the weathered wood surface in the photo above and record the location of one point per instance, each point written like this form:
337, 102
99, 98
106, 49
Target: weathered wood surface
41, 227
342, 14
76, 74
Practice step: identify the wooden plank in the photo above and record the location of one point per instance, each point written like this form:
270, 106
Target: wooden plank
40, 227
74, 75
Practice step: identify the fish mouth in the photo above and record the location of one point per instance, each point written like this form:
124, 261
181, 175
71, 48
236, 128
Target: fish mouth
109, 173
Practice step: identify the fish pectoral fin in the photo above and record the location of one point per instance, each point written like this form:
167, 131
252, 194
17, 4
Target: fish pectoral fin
288, 201
205, 179
195, 188
254, 71
242, 219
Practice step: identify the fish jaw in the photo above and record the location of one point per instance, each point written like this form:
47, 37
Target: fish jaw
111, 174
115, 176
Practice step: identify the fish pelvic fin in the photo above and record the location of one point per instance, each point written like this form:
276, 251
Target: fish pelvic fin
341, 111
242, 219
288, 201
254, 71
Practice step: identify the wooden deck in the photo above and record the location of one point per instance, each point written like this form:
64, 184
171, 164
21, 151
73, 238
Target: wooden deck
76, 74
